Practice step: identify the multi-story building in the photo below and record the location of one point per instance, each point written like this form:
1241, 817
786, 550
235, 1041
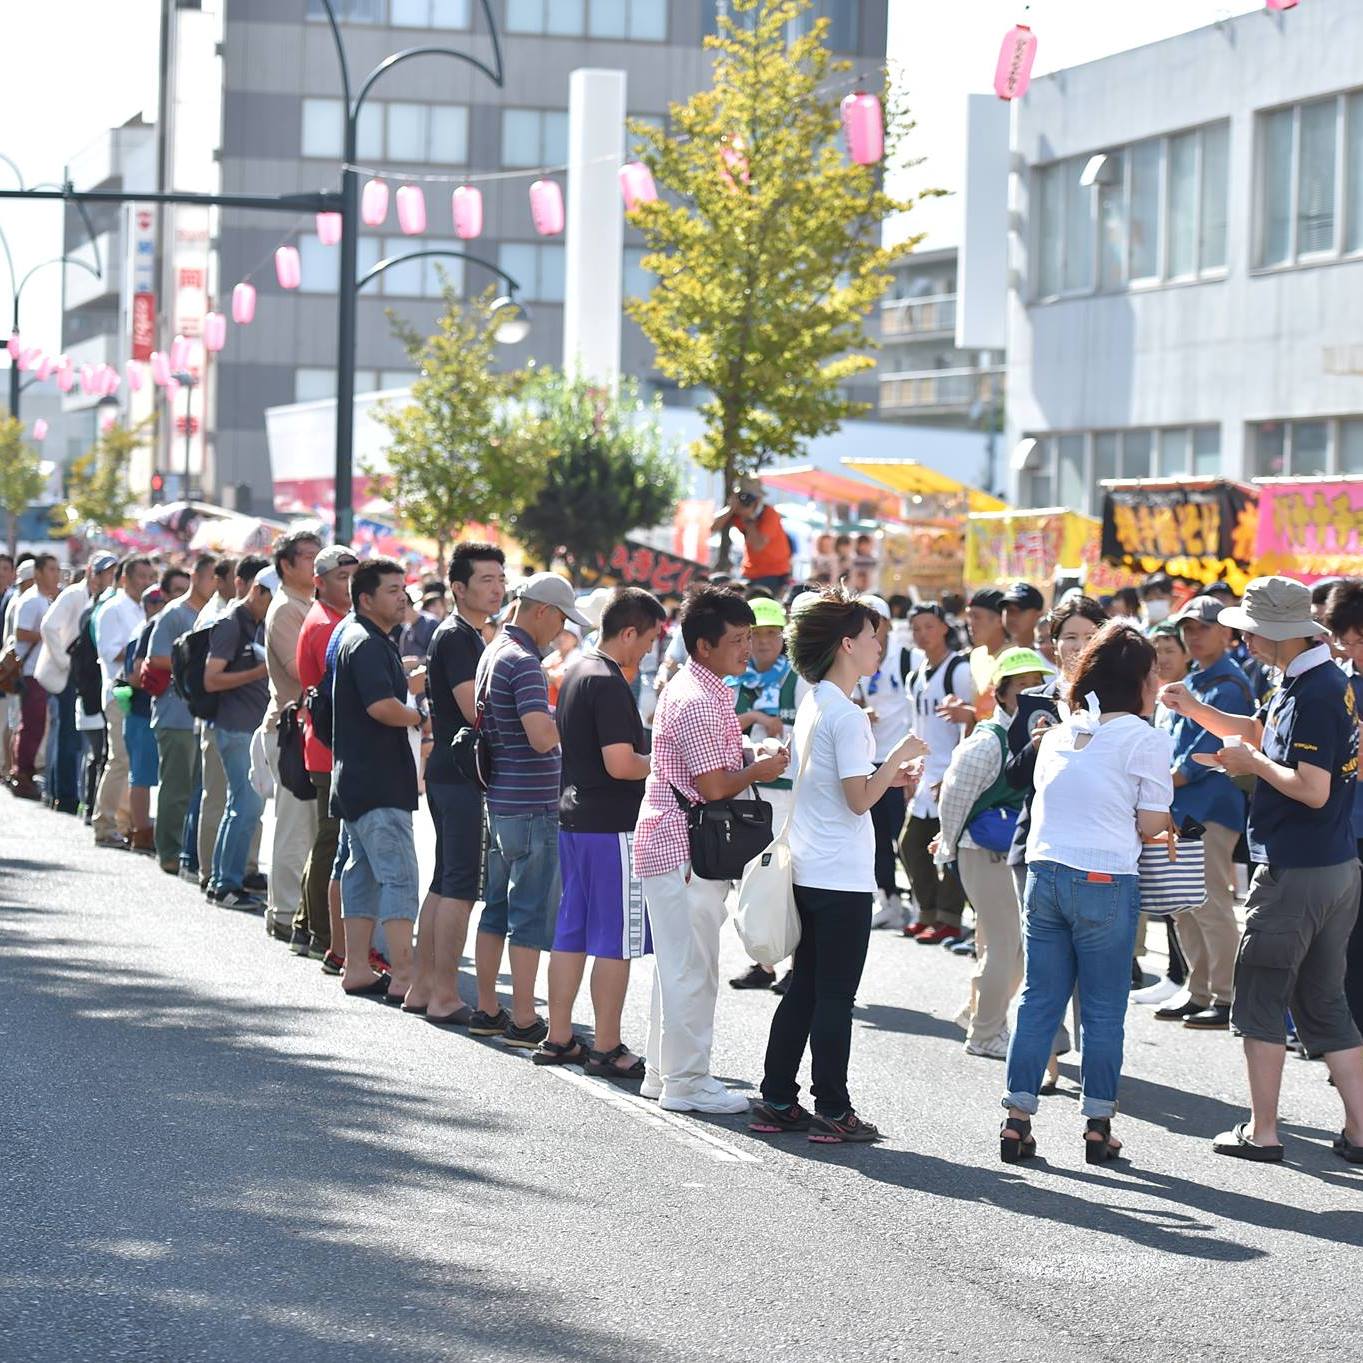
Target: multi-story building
1188, 260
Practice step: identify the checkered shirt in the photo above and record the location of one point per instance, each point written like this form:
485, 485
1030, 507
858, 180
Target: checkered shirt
695, 730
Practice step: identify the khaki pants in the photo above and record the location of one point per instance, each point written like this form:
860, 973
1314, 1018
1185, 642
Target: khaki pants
213, 804
178, 753
111, 799
295, 828
998, 940
1209, 934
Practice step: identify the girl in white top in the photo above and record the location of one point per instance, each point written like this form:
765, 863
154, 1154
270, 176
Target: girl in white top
1102, 781
832, 643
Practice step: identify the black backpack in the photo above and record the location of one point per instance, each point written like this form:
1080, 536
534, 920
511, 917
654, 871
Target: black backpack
317, 702
85, 671
293, 769
188, 659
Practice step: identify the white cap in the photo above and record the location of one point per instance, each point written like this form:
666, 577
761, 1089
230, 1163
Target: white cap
552, 590
267, 578
876, 603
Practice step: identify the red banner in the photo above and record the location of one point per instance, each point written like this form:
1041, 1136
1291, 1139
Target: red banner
144, 325
636, 565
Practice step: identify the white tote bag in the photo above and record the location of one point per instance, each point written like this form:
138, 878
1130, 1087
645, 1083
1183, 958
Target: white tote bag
766, 920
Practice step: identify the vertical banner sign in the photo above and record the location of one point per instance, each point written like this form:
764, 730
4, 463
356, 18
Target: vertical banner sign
1178, 522
141, 229
1311, 529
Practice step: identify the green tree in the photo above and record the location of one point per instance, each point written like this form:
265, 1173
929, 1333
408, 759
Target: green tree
765, 240
607, 471
455, 454
21, 477
97, 487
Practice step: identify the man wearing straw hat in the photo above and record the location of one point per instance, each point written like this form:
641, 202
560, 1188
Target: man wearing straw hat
1302, 749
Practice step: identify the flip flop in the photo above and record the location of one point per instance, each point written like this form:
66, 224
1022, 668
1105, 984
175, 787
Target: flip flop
456, 1021
1346, 1149
374, 989
1237, 1144
416, 1011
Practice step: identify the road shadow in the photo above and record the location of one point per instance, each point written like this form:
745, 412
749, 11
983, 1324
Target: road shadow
889, 1017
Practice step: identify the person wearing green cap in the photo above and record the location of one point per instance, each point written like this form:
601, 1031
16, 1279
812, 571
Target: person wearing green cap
978, 812
766, 695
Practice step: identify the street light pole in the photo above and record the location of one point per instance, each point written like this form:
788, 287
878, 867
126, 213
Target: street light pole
188, 382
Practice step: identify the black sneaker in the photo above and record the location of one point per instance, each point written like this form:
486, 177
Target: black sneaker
755, 977
525, 1037
494, 1024
332, 963
256, 882
767, 1120
1177, 1012
243, 901
300, 942
834, 1130
1214, 1018
783, 983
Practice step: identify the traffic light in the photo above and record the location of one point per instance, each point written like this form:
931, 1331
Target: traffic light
158, 487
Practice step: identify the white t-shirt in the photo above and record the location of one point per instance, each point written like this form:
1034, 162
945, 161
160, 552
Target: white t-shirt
831, 848
927, 688
29, 616
59, 632
1084, 813
115, 625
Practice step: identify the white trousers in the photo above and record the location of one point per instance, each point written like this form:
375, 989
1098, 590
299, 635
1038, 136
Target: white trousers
686, 915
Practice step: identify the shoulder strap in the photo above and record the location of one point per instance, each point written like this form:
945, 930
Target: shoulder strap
953, 663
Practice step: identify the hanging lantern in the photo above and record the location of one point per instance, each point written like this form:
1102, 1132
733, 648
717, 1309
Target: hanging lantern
636, 184
288, 269
45, 367
160, 367
466, 203
40, 430
864, 128
66, 374
243, 303
179, 355
28, 357
411, 210
1282, 4
112, 383
134, 374
374, 203
172, 389
87, 378
1013, 74
14, 345
215, 331
546, 207
328, 228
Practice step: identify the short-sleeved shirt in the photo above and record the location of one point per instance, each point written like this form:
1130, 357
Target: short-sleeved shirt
452, 661
29, 616
695, 730
168, 710
319, 624
523, 781
138, 648
416, 638
241, 709
1310, 718
283, 623
595, 710
373, 766
773, 559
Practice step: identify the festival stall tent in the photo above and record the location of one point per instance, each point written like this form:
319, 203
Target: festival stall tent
1045, 545
1310, 528
919, 481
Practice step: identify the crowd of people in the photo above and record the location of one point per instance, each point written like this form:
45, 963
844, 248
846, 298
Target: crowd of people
1008, 781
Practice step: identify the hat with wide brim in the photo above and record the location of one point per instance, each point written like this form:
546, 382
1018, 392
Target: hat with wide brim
1017, 662
1276, 608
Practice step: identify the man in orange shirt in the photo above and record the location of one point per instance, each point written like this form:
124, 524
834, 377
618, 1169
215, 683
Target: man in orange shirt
766, 549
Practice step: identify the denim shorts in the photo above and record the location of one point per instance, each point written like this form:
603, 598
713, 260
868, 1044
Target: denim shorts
342, 853
457, 813
380, 878
143, 754
523, 888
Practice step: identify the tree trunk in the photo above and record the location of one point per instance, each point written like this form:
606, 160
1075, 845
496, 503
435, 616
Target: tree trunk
12, 533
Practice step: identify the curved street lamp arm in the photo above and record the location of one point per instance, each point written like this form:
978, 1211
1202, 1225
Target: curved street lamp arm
9, 259
388, 264
340, 52
56, 260
18, 174
388, 63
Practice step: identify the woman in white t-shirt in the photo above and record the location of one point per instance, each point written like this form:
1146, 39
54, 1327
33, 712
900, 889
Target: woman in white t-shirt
832, 644
1102, 782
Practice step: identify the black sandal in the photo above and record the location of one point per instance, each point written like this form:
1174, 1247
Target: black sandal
1015, 1149
602, 1063
572, 1052
1099, 1151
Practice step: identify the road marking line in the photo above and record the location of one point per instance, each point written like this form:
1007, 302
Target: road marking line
692, 1134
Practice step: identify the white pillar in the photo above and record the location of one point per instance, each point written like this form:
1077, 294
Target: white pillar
595, 225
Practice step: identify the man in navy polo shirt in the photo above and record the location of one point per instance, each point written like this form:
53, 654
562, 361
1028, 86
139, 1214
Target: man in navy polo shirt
1302, 748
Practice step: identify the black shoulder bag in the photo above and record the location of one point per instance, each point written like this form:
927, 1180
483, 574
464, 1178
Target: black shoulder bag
469, 747
725, 835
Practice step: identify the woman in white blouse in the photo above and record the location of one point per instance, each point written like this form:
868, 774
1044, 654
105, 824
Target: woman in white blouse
1102, 782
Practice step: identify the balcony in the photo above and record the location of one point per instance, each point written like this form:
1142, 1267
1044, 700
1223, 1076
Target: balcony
920, 318
940, 391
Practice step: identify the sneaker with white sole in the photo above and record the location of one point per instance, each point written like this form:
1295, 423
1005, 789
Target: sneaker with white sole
995, 1048
963, 1018
651, 1088
709, 1095
1159, 992
889, 913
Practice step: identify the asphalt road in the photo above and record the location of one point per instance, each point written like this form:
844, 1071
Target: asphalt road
207, 1154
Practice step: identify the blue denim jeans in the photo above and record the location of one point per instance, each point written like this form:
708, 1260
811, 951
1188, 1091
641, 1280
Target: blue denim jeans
1076, 929
189, 837
241, 814
64, 757
523, 887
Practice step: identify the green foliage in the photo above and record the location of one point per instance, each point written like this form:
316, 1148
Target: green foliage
21, 478
606, 469
769, 262
98, 481
455, 455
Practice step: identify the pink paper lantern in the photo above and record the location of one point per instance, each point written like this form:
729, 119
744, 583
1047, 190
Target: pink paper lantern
14, 345
134, 375
243, 303
1013, 74
1282, 4
411, 210
215, 331
636, 184
107, 421
66, 375
179, 355
40, 430
28, 357
328, 228
288, 268
87, 378
172, 389
160, 367
374, 203
45, 367
546, 207
735, 158
864, 128
466, 203
112, 383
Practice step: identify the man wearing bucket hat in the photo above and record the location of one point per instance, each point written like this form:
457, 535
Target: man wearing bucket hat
1302, 747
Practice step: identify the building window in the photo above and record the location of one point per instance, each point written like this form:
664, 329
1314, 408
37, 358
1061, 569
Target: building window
312, 385
1156, 212
536, 267
429, 13
1303, 449
419, 278
637, 20
555, 17
324, 130
534, 137
398, 131
349, 11
321, 265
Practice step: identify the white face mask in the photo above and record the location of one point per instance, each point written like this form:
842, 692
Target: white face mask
1156, 609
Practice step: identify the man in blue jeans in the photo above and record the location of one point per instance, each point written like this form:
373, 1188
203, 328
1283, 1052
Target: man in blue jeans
235, 673
522, 893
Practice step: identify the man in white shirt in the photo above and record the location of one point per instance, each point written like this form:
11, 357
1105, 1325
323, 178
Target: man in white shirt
117, 621
9, 705
53, 671
28, 618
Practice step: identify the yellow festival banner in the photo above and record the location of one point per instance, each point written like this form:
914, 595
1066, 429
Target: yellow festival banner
1008, 546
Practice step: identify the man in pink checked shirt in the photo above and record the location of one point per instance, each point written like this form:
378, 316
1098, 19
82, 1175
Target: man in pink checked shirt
698, 749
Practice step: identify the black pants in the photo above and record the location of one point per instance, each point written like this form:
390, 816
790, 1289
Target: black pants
835, 928
1353, 963
93, 741
887, 814
937, 891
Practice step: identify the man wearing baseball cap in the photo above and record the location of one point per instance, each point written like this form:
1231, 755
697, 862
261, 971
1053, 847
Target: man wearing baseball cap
1302, 747
521, 898
1023, 606
766, 548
